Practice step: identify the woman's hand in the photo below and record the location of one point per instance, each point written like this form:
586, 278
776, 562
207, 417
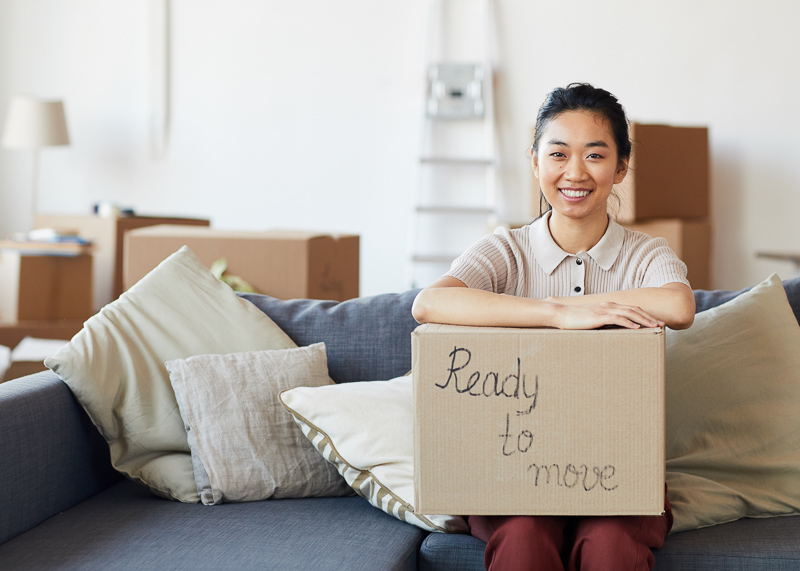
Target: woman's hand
594, 315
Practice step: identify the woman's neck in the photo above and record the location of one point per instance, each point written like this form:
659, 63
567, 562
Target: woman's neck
575, 236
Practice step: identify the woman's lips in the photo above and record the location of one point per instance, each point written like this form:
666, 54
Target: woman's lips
574, 193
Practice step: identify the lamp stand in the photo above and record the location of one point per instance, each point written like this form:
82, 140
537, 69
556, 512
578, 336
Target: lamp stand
34, 187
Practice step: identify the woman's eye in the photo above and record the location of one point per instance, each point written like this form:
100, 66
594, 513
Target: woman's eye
595, 156
557, 155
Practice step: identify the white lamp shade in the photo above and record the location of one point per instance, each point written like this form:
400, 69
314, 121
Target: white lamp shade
33, 123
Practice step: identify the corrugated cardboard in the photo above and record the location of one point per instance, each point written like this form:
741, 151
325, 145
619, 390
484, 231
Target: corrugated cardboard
28, 356
108, 234
538, 421
282, 263
668, 175
690, 240
44, 288
12, 333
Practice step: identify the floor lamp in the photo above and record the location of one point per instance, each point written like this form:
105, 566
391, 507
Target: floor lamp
33, 124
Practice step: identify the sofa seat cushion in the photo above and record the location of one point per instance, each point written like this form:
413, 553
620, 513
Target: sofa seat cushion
126, 527
743, 545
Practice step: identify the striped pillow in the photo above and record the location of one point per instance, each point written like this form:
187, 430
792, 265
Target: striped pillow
366, 430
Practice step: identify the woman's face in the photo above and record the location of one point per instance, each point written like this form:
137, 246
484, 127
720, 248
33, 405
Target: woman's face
577, 165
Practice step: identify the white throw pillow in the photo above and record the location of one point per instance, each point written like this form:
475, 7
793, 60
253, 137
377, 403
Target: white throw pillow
244, 445
733, 411
115, 365
367, 430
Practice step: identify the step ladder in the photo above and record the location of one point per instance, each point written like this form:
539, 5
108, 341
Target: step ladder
456, 198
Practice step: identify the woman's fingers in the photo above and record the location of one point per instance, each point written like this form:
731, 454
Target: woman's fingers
592, 316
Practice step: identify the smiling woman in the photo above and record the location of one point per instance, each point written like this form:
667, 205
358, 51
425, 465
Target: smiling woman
577, 166
572, 268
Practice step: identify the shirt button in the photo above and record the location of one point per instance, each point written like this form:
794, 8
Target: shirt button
578, 289
579, 261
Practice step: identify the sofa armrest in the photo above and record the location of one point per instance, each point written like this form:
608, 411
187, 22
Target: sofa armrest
51, 457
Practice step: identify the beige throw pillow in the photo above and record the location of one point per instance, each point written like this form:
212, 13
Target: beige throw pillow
367, 430
115, 365
733, 402
245, 447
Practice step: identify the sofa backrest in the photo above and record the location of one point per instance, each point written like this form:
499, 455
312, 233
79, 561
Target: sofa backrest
369, 338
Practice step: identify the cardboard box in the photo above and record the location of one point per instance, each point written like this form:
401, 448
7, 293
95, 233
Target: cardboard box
44, 288
108, 235
12, 333
668, 175
28, 357
538, 421
19, 369
690, 240
282, 263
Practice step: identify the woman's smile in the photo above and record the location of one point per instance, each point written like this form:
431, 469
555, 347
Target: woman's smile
574, 194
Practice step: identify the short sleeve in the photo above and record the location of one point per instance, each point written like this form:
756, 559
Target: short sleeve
491, 264
657, 265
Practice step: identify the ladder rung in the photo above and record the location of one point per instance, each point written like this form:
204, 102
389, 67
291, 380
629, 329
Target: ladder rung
476, 210
476, 162
433, 259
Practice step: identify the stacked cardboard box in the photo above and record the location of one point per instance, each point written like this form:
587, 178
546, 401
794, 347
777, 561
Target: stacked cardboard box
108, 235
41, 294
667, 193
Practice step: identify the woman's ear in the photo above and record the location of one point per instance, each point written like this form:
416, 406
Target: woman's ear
535, 166
622, 170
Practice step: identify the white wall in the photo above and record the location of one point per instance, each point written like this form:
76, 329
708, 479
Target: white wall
306, 114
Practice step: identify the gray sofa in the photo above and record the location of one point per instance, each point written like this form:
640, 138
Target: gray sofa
63, 507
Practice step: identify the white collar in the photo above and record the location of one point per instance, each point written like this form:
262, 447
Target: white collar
549, 255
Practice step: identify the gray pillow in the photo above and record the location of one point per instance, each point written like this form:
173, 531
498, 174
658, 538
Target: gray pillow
245, 446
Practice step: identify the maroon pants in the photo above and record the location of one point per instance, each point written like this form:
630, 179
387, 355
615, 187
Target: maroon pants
550, 543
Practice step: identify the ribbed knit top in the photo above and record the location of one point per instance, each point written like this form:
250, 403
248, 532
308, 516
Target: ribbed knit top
527, 262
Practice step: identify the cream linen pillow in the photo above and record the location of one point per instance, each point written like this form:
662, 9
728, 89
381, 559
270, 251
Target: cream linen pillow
366, 429
115, 365
244, 445
733, 411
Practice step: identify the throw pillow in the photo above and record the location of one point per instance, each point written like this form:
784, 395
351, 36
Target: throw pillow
733, 395
244, 445
367, 430
115, 365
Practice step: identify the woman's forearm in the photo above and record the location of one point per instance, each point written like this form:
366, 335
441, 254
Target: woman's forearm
468, 306
449, 301
673, 303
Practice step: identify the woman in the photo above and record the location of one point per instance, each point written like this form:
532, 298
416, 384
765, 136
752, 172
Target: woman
572, 268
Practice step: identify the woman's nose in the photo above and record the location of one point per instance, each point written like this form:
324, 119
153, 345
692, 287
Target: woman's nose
575, 169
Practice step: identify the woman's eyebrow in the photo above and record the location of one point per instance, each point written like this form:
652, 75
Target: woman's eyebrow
561, 143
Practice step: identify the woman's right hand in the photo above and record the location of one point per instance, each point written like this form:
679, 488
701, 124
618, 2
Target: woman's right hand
595, 315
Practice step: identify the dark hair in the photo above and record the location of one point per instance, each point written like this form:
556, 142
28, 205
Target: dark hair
584, 97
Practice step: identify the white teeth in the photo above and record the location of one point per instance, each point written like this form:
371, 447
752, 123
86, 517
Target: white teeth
574, 193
